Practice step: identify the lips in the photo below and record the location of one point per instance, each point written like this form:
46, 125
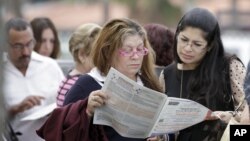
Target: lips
186, 56
24, 58
134, 65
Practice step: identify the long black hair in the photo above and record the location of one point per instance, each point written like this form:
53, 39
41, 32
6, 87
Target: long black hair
209, 82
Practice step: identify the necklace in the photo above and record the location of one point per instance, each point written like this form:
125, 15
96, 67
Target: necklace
181, 83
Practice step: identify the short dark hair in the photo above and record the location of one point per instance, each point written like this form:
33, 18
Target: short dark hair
18, 24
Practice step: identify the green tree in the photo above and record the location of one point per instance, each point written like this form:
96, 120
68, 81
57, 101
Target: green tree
157, 11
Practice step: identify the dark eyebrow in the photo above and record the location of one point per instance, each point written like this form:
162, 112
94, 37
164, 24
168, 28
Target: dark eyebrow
189, 39
17, 44
23, 44
184, 36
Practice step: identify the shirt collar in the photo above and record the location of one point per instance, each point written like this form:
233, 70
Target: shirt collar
96, 74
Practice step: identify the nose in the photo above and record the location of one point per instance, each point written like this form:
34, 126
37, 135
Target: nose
48, 44
188, 47
135, 55
26, 51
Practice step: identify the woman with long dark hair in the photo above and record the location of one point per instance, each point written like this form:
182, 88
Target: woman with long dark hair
203, 72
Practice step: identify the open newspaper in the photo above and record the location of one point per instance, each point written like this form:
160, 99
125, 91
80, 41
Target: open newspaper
139, 112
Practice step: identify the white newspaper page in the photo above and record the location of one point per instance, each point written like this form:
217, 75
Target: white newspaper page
131, 109
179, 114
44, 111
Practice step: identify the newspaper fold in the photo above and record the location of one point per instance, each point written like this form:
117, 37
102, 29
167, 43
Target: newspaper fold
139, 112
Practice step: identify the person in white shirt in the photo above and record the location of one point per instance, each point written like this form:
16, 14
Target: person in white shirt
30, 80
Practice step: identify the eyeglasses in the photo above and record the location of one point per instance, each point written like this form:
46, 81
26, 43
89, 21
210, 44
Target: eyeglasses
184, 42
20, 47
130, 52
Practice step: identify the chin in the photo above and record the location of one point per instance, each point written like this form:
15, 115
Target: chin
187, 61
44, 54
135, 72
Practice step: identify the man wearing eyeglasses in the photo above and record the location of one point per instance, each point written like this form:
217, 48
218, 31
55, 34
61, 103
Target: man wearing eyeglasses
31, 80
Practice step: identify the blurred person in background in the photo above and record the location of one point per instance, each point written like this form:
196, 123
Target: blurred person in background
122, 44
46, 36
247, 83
80, 45
31, 80
246, 113
161, 39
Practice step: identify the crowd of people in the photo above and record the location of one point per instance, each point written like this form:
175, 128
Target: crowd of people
31, 80
190, 63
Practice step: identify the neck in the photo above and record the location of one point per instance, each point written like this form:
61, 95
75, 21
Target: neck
133, 77
23, 71
79, 69
184, 66
156, 66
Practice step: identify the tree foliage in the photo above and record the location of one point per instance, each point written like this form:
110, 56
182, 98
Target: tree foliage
153, 11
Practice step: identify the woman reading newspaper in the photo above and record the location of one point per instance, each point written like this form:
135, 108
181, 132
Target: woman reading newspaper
203, 73
123, 45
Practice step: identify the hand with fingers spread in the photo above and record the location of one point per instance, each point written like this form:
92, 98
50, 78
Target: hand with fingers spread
28, 103
96, 99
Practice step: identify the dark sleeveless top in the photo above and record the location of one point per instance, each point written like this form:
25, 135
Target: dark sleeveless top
206, 130
173, 81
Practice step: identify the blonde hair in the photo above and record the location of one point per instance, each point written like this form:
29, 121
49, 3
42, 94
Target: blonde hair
83, 38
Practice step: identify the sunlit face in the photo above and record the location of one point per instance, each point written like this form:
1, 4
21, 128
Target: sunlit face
48, 40
129, 57
191, 46
21, 44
